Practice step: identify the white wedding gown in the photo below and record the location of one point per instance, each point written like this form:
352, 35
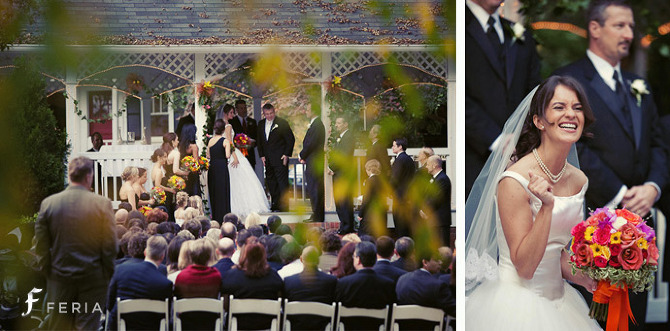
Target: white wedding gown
545, 302
246, 192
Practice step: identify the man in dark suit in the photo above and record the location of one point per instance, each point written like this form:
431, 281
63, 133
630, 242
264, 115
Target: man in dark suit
439, 198
186, 119
343, 175
141, 280
421, 287
224, 251
75, 246
312, 155
404, 248
627, 124
247, 125
502, 67
310, 285
96, 140
275, 146
378, 150
365, 288
402, 174
383, 265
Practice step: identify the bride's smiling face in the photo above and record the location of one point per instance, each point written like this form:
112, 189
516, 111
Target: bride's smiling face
564, 118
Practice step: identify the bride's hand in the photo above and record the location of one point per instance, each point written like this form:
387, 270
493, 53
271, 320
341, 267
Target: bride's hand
541, 189
585, 281
234, 163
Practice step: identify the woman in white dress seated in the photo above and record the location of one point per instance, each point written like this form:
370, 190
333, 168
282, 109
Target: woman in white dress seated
539, 198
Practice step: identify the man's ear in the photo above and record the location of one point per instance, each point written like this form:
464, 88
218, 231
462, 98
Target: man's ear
594, 29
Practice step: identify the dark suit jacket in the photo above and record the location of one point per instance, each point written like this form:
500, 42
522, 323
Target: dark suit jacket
492, 92
280, 141
419, 287
138, 281
407, 265
76, 235
402, 173
342, 153
440, 202
185, 120
310, 286
312, 145
380, 153
600, 157
243, 287
384, 268
251, 131
162, 269
223, 265
364, 289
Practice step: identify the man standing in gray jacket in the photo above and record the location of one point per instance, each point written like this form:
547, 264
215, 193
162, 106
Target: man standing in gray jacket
76, 246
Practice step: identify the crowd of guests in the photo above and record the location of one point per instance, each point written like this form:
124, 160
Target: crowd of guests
249, 259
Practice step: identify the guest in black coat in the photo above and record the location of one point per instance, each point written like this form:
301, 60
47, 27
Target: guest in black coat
247, 125
312, 155
365, 288
438, 198
252, 279
225, 249
420, 287
186, 119
404, 248
343, 173
275, 147
141, 281
374, 206
310, 285
378, 150
402, 173
383, 265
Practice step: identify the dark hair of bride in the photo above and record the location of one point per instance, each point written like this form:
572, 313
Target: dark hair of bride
530, 134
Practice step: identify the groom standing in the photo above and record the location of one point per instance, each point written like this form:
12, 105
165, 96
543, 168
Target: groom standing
312, 155
625, 160
275, 146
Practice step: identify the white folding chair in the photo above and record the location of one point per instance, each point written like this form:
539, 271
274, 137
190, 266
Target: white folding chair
207, 305
343, 311
309, 308
254, 306
141, 306
416, 312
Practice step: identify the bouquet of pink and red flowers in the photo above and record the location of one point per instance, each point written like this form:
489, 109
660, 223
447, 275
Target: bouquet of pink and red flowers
158, 194
618, 249
204, 163
189, 163
242, 142
176, 183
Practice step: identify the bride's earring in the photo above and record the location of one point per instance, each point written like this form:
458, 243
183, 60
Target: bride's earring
541, 127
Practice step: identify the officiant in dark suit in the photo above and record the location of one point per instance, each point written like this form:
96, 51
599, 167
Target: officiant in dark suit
626, 159
275, 146
502, 67
313, 157
247, 125
343, 173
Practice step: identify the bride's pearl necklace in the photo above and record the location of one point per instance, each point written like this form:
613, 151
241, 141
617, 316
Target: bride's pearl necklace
553, 178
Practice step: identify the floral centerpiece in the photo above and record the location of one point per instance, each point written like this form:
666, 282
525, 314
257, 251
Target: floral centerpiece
158, 194
205, 91
204, 163
144, 210
242, 142
189, 163
618, 249
177, 183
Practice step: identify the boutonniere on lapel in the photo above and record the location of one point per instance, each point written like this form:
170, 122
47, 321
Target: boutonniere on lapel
638, 87
338, 139
274, 127
517, 31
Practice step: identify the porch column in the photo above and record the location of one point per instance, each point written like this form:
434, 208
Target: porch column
326, 72
200, 118
72, 124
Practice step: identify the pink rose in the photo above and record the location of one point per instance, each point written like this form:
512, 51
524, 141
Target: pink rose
652, 258
584, 255
600, 261
631, 258
629, 235
602, 236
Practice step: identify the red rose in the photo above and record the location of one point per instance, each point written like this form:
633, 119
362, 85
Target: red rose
578, 232
652, 259
629, 235
602, 236
600, 261
631, 258
584, 255
629, 216
615, 249
614, 261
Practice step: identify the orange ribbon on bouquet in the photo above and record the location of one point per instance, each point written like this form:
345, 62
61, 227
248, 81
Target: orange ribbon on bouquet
615, 299
244, 151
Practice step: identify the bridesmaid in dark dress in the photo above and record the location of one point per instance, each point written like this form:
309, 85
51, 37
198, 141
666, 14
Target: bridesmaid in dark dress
126, 192
187, 146
170, 143
218, 178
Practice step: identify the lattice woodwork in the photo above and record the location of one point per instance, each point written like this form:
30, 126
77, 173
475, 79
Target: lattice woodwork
181, 64
308, 64
217, 63
346, 62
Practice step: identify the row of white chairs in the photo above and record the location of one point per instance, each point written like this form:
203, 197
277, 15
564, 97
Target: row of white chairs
334, 311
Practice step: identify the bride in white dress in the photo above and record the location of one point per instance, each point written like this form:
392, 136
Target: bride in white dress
525, 213
246, 192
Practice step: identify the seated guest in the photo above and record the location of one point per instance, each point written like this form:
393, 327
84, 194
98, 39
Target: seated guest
121, 216
283, 229
351, 238
205, 225
152, 228
273, 250
184, 259
126, 206
215, 225
447, 256
224, 250
253, 279
273, 223
383, 265
251, 220
330, 243
290, 255
136, 214
256, 230
186, 234
232, 218
420, 287
173, 254
242, 237
404, 248
228, 230
199, 280
193, 227
345, 261
136, 246
213, 234
157, 216
141, 281
365, 288
310, 285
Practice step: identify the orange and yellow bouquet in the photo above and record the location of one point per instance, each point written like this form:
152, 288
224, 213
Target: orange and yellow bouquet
177, 183
144, 210
158, 194
204, 163
189, 163
618, 249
